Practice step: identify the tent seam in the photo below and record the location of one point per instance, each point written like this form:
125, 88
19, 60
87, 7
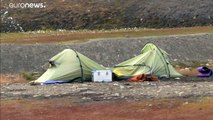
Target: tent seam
82, 75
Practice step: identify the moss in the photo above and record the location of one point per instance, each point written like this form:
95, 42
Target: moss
30, 75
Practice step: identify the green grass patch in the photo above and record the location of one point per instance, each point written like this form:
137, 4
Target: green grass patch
29, 76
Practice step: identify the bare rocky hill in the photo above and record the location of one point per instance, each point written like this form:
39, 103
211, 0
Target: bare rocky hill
109, 14
16, 58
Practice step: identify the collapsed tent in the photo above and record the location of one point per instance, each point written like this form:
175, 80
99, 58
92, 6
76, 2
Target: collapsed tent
152, 60
68, 66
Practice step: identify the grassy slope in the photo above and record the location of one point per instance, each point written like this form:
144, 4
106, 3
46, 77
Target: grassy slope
111, 14
81, 36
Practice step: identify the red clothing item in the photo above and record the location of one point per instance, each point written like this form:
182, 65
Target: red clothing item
143, 77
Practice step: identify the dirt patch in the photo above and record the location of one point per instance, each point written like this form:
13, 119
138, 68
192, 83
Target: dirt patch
64, 109
188, 72
11, 78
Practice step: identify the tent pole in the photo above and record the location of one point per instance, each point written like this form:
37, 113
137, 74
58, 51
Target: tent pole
82, 75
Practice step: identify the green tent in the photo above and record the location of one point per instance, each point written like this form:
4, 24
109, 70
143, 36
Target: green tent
69, 65
152, 60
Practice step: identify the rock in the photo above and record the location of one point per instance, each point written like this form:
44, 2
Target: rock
175, 60
116, 94
159, 90
129, 87
115, 84
122, 87
36, 95
86, 98
82, 89
47, 95
180, 93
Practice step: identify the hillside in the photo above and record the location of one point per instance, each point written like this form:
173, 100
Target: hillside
108, 52
109, 14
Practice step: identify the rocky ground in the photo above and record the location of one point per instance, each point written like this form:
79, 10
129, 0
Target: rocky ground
187, 87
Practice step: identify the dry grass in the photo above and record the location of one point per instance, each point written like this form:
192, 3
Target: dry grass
82, 36
188, 72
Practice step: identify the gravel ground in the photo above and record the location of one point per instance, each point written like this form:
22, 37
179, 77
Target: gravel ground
108, 52
187, 87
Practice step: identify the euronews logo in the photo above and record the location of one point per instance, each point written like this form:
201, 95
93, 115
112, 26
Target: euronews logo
27, 5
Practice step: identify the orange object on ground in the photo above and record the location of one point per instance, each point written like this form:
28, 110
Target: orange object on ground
143, 77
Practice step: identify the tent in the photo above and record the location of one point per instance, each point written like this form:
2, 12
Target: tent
67, 66
152, 60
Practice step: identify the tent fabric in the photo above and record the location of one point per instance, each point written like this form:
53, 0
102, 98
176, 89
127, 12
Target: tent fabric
69, 65
152, 60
